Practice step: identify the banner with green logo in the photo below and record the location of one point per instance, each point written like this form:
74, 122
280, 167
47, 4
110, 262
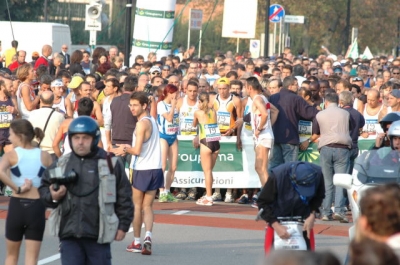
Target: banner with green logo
230, 171
312, 154
154, 28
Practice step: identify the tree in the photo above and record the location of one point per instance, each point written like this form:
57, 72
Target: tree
31, 10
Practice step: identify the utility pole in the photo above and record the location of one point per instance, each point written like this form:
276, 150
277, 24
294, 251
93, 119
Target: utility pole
266, 37
347, 42
128, 28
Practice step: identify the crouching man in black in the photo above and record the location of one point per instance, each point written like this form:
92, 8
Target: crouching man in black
293, 192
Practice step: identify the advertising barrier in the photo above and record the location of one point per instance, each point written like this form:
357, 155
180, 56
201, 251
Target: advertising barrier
234, 168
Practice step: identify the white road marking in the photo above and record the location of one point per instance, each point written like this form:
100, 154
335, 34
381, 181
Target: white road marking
181, 212
49, 259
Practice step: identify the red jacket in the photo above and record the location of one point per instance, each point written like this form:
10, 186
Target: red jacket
41, 61
14, 66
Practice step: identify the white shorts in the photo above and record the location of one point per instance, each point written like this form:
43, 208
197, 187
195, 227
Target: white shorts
266, 142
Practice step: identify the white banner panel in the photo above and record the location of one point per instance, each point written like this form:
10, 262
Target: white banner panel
153, 29
239, 19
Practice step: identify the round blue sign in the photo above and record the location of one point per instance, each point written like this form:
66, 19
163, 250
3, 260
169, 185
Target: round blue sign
276, 13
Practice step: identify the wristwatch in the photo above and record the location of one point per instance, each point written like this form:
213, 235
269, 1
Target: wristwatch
124, 149
19, 190
309, 140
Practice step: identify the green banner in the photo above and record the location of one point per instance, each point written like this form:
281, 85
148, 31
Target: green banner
155, 13
229, 158
312, 154
152, 44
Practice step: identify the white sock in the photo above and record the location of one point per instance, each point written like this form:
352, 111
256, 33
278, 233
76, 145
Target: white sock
166, 191
137, 240
218, 190
228, 192
209, 198
148, 234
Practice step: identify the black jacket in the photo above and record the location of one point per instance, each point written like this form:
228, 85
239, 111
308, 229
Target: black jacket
279, 199
76, 68
291, 108
80, 210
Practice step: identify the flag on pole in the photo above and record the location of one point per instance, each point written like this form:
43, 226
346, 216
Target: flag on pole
367, 54
353, 53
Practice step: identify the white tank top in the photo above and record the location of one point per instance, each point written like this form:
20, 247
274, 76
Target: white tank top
60, 106
266, 133
223, 115
67, 147
106, 108
371, 123
164, 126
246, 130
150, 155
355, 103
21, 105
186, 114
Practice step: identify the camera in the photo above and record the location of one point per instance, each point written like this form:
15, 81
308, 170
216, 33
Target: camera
57, 178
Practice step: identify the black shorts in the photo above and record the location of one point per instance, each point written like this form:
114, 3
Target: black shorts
146, 180
213, 146
25, 217
4, 134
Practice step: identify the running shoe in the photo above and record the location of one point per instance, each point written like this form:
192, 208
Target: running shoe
146, 246
203, 201
134, 248
229, 198
254, 201
341, 217
244, 199
171, 198
216, 197
163, 197
181, 195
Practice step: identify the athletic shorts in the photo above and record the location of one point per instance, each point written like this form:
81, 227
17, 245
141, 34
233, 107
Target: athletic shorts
25, 217
266, 142
214, 146
146, 180
170, 138
4, 134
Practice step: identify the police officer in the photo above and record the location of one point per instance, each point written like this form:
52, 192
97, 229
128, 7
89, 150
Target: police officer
78, 197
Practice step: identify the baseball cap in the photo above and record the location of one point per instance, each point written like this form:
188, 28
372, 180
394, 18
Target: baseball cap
337, 70
35, 54
357, 78
75, 82
166, 67
155, 69
57, 82
304, 175
395, 93
336, 64
223, 80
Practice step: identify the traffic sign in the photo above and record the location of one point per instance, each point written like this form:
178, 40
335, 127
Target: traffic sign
276, 13
294, 19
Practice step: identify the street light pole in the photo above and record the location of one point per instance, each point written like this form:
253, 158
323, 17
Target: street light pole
128, 39
266, 37
347, 42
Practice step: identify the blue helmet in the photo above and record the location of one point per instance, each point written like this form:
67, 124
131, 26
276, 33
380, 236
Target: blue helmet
85, 125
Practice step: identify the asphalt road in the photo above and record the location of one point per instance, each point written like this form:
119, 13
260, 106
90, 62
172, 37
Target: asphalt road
185, 233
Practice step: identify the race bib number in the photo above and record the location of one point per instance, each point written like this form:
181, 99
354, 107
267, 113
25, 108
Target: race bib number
187, 128
212, 132
305, 130
371, 126
223, 120
296, 240
174, 126
5, 119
